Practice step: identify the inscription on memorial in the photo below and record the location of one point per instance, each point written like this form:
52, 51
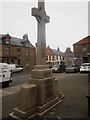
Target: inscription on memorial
48, 73
49, 88
48, 81
49, 93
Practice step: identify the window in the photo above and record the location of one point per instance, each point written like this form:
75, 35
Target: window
27, 62
8, 50
7, 41
52, 57
83, 47
46, 57
57, 57
18, 51
7, 61
27, 52
12, 61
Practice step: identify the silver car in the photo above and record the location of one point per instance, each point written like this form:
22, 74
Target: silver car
72, 68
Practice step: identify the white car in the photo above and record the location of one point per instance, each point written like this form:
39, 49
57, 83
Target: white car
5, 75
15, 68
85, 67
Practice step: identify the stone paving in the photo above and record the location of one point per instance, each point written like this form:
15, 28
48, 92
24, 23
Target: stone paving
74, 105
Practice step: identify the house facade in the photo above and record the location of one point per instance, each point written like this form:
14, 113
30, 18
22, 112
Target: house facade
53, 56
82, 51
49, 56
68, 56
17, 51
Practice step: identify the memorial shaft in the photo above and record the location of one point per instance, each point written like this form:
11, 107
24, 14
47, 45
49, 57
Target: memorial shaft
42, 19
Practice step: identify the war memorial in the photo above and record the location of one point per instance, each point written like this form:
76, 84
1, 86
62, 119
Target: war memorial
41, 93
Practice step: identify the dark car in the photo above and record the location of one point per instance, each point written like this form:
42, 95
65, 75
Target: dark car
72, 68
58, 68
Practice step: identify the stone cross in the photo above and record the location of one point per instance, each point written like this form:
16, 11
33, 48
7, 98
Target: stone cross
41, 18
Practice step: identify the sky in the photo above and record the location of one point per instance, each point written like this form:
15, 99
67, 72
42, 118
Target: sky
68, 21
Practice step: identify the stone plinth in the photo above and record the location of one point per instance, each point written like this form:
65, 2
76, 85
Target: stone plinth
39, 96
27, 97
41, 73
45, 89
27, 103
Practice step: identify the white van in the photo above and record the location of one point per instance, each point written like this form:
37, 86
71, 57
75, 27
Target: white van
14, 68
5, 75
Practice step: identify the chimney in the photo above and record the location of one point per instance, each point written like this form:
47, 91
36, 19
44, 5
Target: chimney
58, 49
25, 37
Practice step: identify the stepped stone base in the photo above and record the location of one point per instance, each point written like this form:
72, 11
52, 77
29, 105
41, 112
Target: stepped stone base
39, 96
40, 109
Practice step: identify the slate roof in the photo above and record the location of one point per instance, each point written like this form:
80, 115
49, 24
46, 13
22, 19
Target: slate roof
56, 52
68, 52
18, 41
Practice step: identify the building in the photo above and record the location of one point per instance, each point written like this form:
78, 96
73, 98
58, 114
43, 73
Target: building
82, 51
49, 56
53, 56
17, 51
68, 56
58, 58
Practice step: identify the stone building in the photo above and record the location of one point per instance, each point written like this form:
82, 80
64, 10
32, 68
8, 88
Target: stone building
82, 51
17, 51
68, 56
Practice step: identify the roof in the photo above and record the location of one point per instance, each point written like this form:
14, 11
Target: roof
56, 52
68, 52
85, 40
49, 51
18, 41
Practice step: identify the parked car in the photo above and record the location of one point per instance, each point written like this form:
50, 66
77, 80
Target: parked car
72, 68
14, 68
85, 67
58, 68
5, 75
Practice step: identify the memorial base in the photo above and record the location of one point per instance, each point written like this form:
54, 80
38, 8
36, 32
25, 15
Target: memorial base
40, 95
40, 109
48, 106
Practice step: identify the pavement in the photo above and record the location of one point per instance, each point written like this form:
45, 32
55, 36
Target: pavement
74, 105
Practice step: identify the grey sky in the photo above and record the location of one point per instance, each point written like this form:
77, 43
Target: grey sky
68, 22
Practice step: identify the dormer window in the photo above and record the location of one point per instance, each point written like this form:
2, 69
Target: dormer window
27, 44
7, 38
7, 41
